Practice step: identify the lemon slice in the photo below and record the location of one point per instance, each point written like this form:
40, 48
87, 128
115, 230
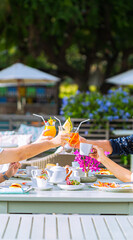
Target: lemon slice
68, 125
51, 121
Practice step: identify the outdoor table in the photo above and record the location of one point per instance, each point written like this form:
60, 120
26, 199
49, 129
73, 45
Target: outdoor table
85, 201
66, 227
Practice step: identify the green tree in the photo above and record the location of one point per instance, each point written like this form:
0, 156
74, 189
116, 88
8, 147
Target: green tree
69, 37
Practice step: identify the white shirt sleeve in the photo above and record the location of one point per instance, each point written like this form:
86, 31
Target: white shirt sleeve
132, 177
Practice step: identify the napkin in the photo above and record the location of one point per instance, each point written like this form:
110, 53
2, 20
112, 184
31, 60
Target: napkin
14, 190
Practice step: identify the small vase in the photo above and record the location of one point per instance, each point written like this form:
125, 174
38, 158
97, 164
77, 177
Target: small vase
88, 178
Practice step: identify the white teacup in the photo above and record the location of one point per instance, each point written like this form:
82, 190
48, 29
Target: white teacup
41, 182
36, 172
85, 149
29, 169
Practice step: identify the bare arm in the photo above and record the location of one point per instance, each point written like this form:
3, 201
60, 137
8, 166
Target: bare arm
104, 144
119, 172
28, 151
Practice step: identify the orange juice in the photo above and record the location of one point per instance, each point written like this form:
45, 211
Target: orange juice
52, 130
74, 139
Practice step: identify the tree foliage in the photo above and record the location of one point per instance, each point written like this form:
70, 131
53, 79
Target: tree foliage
70, 37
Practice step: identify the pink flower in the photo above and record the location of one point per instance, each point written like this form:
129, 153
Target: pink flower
86, 162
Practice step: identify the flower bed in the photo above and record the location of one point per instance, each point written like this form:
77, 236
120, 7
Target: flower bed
117, 104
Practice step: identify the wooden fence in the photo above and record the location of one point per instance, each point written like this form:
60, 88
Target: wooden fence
89, 130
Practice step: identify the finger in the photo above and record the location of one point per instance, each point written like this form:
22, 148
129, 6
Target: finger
45, 131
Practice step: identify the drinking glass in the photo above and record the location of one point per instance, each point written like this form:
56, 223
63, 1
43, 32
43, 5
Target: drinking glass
51, 128
74, 138
66, 148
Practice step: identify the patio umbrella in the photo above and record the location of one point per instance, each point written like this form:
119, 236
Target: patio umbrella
125, 78
19, 74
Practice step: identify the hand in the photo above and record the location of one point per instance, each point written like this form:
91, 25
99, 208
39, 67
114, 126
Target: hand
43, 138
13, 168
98, 153
81, 139
60, 139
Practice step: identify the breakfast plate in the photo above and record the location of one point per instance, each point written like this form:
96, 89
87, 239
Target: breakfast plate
64, 186
104, 173
113, 187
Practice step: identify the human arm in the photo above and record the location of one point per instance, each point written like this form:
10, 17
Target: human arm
119, 172
121, 145
12, 170
105, 144
9, 155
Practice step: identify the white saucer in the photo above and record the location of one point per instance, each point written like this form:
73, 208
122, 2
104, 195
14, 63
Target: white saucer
55, 183
48, 187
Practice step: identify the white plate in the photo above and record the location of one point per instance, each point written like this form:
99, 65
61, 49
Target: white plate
122, 188
56, 183
48, 187
64, 186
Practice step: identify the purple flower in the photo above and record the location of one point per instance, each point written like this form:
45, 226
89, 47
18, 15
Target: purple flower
86, 162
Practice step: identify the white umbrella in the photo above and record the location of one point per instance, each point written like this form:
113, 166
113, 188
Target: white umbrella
125, 78
19, 74
19, 71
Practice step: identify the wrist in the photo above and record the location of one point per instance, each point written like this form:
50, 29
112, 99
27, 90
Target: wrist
104, 159
8, 174
5, 176
52, 143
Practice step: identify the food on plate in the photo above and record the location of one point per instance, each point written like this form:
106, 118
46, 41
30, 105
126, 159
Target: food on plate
24, 183
103, 171
43, 176
15, 185
106, 184
72, 182
22, 172
68, 125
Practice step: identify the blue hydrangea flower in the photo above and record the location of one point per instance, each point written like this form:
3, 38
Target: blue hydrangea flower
77, 92
64, 101
116, 117
110, 91
127, 114
61, 112
114, 109
110, 118
72, 101
91, 115
125, 100
108, 104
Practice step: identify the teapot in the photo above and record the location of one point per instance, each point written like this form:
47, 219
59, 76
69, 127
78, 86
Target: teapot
57, 174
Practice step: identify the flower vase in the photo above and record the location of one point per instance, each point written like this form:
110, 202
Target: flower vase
88, 178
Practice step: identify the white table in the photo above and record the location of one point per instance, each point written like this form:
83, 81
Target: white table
125, 133
58, 201
66, 227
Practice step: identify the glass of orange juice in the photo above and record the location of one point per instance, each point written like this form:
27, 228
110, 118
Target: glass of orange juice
74, 138
50, 125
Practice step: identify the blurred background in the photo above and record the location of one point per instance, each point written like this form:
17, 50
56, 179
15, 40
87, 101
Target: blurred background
83, 43
84, 46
